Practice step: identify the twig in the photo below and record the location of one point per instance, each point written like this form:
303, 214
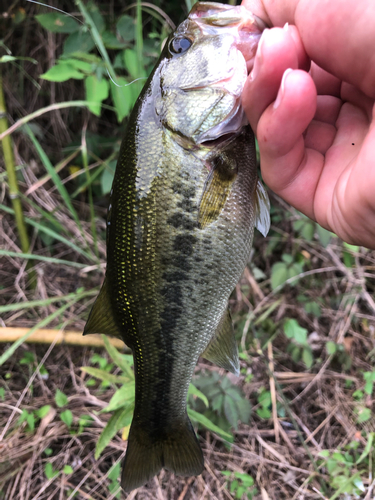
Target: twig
47, 336
273, 394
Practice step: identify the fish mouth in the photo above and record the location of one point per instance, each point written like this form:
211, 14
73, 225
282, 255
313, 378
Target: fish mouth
246, 27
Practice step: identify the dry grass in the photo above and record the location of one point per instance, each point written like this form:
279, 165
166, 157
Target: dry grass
273, 452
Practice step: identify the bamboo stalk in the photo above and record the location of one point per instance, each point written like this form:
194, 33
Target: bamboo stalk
14, 192
47, 336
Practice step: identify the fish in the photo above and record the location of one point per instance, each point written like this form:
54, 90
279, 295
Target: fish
183, 206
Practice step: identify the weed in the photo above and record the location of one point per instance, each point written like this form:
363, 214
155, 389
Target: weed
240, 485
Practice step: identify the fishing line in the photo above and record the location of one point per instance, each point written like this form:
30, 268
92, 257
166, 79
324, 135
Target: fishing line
101, 55
59, 10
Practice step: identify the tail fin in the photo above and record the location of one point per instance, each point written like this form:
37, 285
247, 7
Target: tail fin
178, 451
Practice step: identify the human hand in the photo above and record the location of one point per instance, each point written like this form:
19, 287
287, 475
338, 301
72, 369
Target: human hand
316, 131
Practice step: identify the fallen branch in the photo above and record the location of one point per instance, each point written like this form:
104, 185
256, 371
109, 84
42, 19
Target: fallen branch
47, 336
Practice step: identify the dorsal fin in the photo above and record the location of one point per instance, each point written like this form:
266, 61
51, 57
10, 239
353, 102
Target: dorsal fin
216, 189
262, 209
222, 349
101, 318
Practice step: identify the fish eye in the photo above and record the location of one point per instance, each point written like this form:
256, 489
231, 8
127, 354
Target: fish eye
179, 45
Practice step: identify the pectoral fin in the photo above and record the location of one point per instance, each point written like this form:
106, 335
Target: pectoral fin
262, 209
217, 189
101, 317
222, 349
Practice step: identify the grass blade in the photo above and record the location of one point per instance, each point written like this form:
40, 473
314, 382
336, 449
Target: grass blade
45, 302
54, 176
50, 260
53, 234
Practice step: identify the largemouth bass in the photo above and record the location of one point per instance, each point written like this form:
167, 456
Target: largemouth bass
183, 207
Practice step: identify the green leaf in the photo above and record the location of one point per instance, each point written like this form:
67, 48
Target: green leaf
332, 466
126, 28
307, 230
58, 22
106, 179
287, 258
313, 308
122, 397
351, 248
114, 472
217, 402
296, 353
364, 415
264, 399
131, 63
122, 98
80, 41
61, 72
30, 419
121, 418
244, 408
293, 331
331, 347
339, 457
121, 360
245, 478
27, 359
348, 259
279, 274
111, 42
201, 419
43, 411
85, 420
60, 398
324, 453
307, 357
49, 471
369, 387
84, 66
67, 417
6, 58
193, 391
96, 17
104, 375
230, 411
96, 91
264, 413
68, 469
368, 447
294, 270
324, 235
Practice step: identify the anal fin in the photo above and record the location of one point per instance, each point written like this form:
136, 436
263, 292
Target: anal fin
222, 349
101, 318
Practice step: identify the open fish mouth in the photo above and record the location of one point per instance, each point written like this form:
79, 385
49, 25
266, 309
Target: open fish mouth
246, 26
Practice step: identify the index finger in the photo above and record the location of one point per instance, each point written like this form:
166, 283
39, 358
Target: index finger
338, 36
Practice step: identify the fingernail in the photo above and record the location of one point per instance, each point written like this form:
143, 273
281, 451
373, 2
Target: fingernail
259, 56
286, 27
280, 94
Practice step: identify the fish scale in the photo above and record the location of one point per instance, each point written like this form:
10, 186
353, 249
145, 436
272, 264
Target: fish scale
180, 228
